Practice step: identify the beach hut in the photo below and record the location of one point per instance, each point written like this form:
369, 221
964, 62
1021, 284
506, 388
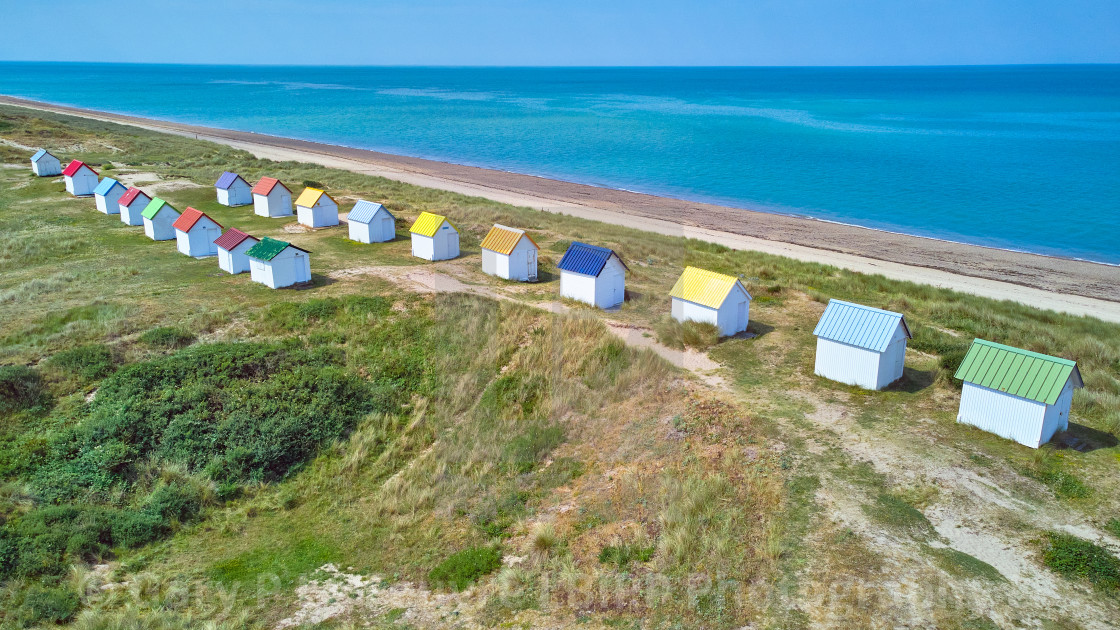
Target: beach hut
316, 209
108, 195
232, 250
80, 179
278, 264
859, 345
195, 233
233, 190
591, 274
1017, 394
159, 219
371, 223
132, 204
706, 296
509, 253
44, 164
434, 238
271, 198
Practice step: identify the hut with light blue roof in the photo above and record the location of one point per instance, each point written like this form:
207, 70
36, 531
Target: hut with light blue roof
371, 223
593, 275
44, 164
860, 345
108, 195
233, 190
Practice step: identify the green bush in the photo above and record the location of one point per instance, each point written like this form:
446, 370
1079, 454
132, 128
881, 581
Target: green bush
48, 605
20, 388
175, 502
167, 338
1080, 559
89, 363
463, 568
622, 555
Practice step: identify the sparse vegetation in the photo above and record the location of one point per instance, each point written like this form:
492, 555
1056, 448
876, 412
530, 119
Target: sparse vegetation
1080, 559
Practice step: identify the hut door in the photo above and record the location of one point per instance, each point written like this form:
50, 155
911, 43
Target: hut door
531, 264
741, 317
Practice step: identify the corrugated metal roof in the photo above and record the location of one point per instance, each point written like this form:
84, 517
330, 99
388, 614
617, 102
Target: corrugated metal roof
227, 179
310, 196
706, 288
232, 238
131, 194
268, 249
38, 154
1018, 372
586, 259
265, 186
189, 217
503, 239
858, 325
74, 166
105, 186
364, 211
427, 224
153, 208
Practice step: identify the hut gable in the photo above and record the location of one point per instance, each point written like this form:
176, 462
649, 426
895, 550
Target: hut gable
189, 218
310, 197
75, 167
106, 186
705, 288
589, 260
503, 240
427, 224
365, 211
130, 195
153, 208
232, 238
40, 154
228, 179
860, 326
270, 248
1017, 372
266, 184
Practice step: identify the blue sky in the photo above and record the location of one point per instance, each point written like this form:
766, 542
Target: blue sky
566, 32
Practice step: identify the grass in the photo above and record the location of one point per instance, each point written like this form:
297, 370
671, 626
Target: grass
894, 512
463, 568
1080, 559
964, 565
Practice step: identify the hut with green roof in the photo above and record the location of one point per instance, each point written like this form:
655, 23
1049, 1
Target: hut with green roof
278, 264
159, 220
1017, 394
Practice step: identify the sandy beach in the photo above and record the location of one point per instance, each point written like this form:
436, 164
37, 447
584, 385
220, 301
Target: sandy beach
1072, 286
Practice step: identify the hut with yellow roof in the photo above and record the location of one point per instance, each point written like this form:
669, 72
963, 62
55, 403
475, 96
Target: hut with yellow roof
509, 253
434, 237
706, 296
316, 209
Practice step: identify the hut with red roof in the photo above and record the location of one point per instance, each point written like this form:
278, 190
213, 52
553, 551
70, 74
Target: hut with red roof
132, 204
271, 198
195, 233
232, 250
81, 180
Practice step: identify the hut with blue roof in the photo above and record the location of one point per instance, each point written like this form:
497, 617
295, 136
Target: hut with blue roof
593, 275
233, 190
371, 223
859, 345
108, 195
44, 164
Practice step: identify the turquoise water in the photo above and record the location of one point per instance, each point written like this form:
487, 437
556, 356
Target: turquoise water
1019, 157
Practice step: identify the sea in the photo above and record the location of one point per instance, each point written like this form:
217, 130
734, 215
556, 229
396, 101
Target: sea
1015, 157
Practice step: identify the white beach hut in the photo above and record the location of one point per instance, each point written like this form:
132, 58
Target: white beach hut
706, 296
271, 198
278, 264
132, 204
81, 180
159, 220
1017, 394
233, 247
371, 223
434, 238
233, 190
44, 164
594, 275
108, 195
509, 253
316, 209
859, 345
195, 233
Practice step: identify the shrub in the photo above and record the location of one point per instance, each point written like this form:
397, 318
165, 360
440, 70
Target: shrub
310, 183
463, 568
20, 388
48, 605
167, 338
89, 363
175, 502
1080, 559
679, 335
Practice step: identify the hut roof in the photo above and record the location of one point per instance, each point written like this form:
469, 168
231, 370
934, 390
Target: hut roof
153, 208
310, 196
269, 248
586, 259
40, 154
427, 224
1018, 372
189, 217
228, 179
105, 186
364, 211
503, 239
266, 185
74, 166
130, 195
706, 288
860, 326
231, 239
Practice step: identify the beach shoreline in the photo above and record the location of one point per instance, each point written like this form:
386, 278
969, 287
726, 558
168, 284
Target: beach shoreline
1063, 284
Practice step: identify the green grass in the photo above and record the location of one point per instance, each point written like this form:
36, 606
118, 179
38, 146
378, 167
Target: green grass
465, 567
623, 554
283, 564
961, 564
893, 511
1080, 559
